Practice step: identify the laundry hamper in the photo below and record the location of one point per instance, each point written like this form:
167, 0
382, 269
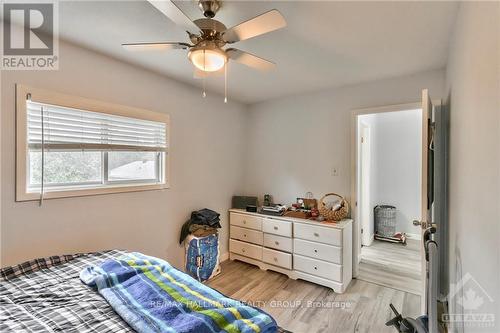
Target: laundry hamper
385, 220
202, 256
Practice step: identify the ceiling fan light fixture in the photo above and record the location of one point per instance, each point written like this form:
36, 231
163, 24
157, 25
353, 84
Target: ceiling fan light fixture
208, 59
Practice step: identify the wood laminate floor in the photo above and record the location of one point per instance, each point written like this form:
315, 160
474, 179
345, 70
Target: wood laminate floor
392, 265
303, 307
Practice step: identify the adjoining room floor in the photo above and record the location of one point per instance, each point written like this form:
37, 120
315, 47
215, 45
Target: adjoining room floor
300, 306
392, 265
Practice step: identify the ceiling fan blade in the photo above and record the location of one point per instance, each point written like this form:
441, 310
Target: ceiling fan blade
250, 60
170, 10
264, 23
155, 46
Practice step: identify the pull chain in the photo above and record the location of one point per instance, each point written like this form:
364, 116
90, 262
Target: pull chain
204, 94
225, 83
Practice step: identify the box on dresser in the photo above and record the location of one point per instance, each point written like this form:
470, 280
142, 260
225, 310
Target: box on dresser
302, 249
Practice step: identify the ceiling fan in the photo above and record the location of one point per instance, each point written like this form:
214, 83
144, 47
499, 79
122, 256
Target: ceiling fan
208, 37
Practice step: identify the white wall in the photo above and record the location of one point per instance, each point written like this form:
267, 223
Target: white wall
395, 166
295, 142
211, 154
473, 75
206, 165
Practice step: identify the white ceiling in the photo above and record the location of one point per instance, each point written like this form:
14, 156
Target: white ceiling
325, 44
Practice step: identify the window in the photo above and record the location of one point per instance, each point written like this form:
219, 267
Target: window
69, 146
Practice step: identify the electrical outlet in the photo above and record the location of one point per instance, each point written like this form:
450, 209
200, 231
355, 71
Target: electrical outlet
335, 171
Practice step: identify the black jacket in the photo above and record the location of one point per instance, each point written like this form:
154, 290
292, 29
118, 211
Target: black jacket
204, 216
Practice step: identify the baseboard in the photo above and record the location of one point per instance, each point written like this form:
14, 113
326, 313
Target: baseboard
223, 257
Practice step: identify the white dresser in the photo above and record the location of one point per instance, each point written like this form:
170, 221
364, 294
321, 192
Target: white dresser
302, 249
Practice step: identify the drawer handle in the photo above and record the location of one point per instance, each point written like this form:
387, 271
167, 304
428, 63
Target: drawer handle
244, 235
316, 268
244, 221
277, 243
275, 228
243, 250
316, 234
275, 259
315, 251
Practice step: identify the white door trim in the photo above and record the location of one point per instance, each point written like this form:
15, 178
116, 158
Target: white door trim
354, 154
364, 161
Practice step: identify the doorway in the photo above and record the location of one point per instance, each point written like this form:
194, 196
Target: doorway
389, 177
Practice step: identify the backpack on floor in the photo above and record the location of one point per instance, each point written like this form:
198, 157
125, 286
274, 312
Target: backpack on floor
202, 256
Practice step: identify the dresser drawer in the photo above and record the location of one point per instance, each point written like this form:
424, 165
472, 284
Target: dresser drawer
277, 258
278, 242
277, 227
318, 234
246, 221
317, 267
247, 235
245, 249
318, 250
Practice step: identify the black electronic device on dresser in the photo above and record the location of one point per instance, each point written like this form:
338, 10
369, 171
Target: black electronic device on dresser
251, 208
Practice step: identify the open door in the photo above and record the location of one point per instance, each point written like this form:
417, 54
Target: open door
425, 220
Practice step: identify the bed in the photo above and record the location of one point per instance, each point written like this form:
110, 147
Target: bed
47, 295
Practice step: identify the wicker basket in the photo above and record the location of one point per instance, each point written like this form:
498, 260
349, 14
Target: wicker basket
385, 220
330, 214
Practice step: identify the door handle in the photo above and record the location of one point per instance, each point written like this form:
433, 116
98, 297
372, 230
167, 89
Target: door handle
428, 234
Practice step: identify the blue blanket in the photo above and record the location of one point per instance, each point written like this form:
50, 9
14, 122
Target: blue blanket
152, 296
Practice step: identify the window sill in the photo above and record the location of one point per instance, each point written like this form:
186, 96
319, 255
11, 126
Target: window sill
69, 193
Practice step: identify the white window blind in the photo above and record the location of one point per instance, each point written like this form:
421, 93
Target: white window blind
67, 128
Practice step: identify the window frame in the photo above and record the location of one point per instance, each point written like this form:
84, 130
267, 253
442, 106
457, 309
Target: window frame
55, 98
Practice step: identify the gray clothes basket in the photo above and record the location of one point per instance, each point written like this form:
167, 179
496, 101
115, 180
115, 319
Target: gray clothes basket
385, 220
